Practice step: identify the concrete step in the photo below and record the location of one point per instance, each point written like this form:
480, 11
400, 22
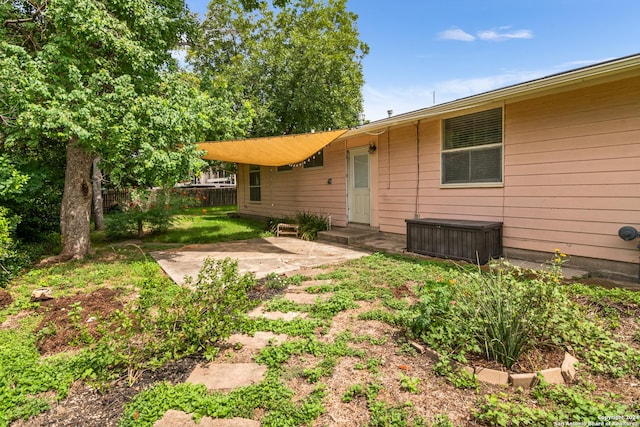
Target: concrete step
350, 235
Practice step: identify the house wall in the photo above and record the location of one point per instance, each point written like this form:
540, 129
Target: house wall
571, 177
302, 189
571, 174
572, 171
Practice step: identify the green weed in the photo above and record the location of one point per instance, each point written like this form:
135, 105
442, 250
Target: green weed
554, 404
409, 384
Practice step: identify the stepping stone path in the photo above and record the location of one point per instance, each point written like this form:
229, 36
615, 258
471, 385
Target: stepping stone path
275, 315
173, 418
299, 294
227, 376
258, 341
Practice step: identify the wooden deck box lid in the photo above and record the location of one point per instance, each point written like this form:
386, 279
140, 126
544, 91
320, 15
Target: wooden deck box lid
458, 223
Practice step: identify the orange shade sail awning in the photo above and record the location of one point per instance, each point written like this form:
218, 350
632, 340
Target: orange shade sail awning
271, 150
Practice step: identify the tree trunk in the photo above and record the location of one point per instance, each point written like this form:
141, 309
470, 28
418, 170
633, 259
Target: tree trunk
75, 212
96, 181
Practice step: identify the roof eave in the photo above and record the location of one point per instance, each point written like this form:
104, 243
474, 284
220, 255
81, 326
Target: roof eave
555, 81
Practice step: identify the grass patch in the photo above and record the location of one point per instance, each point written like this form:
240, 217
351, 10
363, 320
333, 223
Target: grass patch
162, 321
209, 225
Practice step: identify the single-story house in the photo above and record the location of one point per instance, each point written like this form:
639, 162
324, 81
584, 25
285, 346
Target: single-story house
556, 160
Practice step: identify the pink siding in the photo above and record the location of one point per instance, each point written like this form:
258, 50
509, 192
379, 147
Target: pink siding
571, 176
287, 193
572, 171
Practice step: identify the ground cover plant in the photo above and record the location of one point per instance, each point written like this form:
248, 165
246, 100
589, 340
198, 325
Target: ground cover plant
309, 223
351, 361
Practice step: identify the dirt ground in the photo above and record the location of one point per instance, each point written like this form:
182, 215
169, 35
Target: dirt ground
5, 298
74, 319
86, 406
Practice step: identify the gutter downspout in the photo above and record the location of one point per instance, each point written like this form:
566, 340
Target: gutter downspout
416, 214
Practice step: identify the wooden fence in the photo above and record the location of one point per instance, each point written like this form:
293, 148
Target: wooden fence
216, 196
111, 199
212, 197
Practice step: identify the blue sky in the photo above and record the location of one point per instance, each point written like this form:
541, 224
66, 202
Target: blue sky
458, 48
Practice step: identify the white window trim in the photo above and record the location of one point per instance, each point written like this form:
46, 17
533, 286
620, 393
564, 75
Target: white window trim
259, 170
497, 184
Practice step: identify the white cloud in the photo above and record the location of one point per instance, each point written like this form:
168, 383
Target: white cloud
500, 34
377, 100
456, 34
582, 63
493, 35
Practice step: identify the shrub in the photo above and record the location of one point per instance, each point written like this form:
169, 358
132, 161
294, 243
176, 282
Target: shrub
512, 315
498, 313
310, 223
440, 320
11, 260
153, 210
207, 309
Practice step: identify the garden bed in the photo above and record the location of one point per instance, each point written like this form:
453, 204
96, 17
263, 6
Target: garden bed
350, 362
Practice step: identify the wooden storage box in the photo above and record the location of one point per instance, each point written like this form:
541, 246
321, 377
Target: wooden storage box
473, 241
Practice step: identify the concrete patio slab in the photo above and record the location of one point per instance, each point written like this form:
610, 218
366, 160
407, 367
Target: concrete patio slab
260, 256
173, 418
224, 376
258, 341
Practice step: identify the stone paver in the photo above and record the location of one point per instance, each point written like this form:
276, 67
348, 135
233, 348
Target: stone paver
305, 298
173, 418
258, 341
275, 315
492, 376
223, 376
553, 375
568, 367
523, 380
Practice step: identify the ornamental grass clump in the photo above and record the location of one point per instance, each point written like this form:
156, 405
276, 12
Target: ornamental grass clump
500, 313
511, 315
310, 223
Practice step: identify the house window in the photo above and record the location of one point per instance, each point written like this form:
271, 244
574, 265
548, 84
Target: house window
472, 148
285, 168
254, 183
315, 161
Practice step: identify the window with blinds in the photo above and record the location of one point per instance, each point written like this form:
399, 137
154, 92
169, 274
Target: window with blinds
472, 148
254, 183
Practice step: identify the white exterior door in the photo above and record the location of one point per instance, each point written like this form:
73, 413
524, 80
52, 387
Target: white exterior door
359, 192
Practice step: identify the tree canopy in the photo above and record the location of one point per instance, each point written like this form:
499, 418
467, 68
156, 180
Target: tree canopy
299, 62
96, 78
88, 79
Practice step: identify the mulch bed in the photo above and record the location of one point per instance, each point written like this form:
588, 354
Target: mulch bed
58, 324
88, 407
5, 298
